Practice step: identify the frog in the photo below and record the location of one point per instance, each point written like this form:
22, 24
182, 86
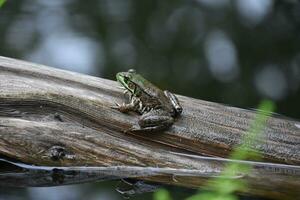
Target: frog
158, 108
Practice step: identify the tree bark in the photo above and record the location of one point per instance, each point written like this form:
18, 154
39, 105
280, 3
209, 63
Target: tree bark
52, 117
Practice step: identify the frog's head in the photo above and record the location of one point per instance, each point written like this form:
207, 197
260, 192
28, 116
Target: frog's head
126, 79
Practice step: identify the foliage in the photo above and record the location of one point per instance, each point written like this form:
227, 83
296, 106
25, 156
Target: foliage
224, 186
2, 2
162, 194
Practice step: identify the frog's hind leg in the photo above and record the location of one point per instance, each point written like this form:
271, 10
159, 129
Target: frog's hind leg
153, 121
174, 101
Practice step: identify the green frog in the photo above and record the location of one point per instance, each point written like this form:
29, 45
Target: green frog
157, 108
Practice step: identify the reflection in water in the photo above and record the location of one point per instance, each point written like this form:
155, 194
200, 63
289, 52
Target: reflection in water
131, 187
66, 192
16, 174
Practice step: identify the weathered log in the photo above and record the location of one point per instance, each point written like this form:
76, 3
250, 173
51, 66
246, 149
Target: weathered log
52, 117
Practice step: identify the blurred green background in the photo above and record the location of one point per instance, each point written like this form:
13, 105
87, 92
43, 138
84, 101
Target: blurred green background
231, 52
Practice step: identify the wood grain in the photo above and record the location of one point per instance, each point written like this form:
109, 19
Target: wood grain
45, 111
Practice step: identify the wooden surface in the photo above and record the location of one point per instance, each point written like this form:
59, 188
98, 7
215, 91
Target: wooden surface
46, 111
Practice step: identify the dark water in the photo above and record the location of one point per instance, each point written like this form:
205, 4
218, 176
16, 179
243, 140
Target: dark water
17, 174
232, 52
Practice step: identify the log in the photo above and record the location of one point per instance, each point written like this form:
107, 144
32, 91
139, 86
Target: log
52, 117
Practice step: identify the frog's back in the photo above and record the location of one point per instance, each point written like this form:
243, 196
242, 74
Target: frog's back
154, 96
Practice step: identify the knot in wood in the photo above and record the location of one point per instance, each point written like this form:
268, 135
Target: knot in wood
57, 152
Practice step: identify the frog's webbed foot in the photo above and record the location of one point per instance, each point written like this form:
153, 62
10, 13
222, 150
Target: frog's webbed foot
122, 107
132, 106
153, 121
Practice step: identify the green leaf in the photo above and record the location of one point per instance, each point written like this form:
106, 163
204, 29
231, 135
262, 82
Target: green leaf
228, 183
162, 194
212, 196
2, 2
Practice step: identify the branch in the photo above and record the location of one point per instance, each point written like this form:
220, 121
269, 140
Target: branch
52, 117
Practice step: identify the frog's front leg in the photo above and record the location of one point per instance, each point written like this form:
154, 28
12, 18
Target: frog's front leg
153, 121
132, 106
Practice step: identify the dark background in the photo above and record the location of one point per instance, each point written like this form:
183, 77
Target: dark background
231, 52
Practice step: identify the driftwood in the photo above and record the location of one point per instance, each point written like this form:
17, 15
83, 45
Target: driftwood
52, 117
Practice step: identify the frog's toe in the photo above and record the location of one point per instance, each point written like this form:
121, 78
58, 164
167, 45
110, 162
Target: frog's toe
116, 106
134, 128
139, 129
119, 107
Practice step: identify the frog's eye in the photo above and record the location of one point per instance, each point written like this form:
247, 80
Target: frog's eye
131, 71
126, 79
